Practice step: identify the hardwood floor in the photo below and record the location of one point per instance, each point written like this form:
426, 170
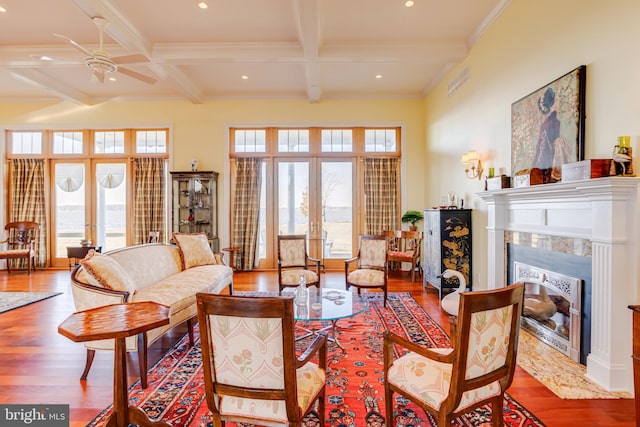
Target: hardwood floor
40, 366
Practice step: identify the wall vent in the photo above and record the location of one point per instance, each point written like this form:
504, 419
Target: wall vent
459, 80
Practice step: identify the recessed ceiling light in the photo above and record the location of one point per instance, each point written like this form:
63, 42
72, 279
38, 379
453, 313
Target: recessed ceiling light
2, 9
378, 76
203, 5
245, 77
46, 58
113, 79
409, 3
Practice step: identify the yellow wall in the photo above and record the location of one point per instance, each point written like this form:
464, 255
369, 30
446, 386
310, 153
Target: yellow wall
529, 45
200, 131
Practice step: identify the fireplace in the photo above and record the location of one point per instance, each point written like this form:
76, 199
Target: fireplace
552, 307
595, 220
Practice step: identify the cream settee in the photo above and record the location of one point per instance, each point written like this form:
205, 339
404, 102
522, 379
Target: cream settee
158, 272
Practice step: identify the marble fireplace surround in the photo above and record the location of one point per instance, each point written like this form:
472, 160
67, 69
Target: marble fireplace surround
604, 211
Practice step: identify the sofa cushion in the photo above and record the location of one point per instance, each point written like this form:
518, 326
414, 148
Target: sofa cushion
194, 249
104, 271
179, 290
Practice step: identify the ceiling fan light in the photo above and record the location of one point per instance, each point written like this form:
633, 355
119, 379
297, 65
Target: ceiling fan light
203, 5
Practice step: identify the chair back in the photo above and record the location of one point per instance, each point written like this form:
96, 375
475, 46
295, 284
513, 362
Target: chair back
292, 250
486, 341
21, 233
154, 237
248, 349
373, 251
393, 239
411, 241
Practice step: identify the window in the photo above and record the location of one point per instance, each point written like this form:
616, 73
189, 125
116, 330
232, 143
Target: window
110, 142
151, 141
380, 140
67, 143
337, 140
26, 142
293, 140
250, 141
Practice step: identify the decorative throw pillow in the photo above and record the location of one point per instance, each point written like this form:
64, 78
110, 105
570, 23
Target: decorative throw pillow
194, 249
104, 271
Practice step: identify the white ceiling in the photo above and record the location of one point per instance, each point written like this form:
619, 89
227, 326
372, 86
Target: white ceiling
289, 49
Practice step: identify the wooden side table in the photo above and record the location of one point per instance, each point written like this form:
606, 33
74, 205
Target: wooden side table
231, 251
636, 359
118, 321
77, 253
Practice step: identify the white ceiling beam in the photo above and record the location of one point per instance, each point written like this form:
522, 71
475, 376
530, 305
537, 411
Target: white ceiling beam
52, 85
308, 17
120, 28
186, 86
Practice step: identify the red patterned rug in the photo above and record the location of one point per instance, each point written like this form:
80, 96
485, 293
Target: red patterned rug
355, 393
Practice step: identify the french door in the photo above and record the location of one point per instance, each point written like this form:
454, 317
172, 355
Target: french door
90, 204
310, 196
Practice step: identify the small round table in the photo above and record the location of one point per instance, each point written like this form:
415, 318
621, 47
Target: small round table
118, 321
326, 305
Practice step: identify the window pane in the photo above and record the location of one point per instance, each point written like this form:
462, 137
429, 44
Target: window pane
293, 140
26, 142
151, 141
67, 142
337, 140
380, 140
293, 197
250, 141
70, 224
337, 209
111, 142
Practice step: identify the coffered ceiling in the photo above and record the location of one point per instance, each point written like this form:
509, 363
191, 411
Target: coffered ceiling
285, 49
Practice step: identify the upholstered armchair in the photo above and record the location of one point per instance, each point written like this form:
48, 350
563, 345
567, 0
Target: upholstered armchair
251, 371
371, 265
21, 243
293, 261
448, 382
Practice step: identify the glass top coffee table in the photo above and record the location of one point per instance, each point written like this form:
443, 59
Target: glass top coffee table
324, 305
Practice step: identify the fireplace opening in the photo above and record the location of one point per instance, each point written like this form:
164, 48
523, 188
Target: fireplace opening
552, 307
557, 306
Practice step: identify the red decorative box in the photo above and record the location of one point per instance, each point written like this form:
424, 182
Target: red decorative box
498, 182
586, 169
528, 177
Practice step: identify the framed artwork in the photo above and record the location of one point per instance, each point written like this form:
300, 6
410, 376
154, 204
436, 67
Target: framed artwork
547, 127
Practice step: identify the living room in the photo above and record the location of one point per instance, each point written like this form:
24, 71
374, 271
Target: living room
526, 46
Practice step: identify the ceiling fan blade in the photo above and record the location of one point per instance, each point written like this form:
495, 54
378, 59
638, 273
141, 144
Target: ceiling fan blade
99, 76
136, 75
76, 45
130, 59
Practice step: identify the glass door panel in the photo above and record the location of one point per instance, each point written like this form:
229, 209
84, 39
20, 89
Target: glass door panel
110, 205
336, 212
293, 199
71, 220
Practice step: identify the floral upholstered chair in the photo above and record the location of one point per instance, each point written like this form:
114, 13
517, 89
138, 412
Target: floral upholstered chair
372, 266
448, 382
251, 371
293, 261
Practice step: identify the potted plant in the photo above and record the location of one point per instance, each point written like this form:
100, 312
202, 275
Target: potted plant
412, 217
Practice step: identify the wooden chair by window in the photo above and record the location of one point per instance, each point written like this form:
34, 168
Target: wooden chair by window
274, 387
372, 268
406, 248
154, 237
476, 371
294, 261
21, 243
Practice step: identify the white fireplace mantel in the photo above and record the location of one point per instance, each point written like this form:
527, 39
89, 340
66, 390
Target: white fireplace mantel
604, 211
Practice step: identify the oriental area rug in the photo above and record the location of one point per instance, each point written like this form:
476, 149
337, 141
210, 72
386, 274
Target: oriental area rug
355, 391
13, 300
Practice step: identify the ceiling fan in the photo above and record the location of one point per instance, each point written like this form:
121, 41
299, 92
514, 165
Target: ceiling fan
101, 62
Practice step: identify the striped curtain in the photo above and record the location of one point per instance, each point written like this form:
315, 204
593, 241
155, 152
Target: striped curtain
28, 201
148, 198
381, 195
248, 180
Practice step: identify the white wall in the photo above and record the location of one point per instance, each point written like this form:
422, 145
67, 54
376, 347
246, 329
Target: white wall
529, 45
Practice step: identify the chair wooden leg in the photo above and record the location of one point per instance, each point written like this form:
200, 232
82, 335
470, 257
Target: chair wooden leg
321, 407
497, 417
388, 399
190, 331
142, 359
90, 355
